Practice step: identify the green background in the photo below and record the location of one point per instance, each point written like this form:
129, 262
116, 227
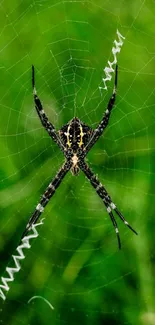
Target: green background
75, 263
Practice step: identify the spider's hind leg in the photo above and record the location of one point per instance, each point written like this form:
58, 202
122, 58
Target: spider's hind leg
103, 194
49, 192
113, 206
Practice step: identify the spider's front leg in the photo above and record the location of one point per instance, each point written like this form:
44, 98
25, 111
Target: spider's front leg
43, 117
49, 192
105, 120
103, 194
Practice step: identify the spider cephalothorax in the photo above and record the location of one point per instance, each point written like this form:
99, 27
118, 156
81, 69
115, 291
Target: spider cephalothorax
75, 139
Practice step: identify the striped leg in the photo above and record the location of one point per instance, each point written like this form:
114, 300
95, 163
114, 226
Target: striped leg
114, 223
103, 194
43, 117
105, 120
49, 192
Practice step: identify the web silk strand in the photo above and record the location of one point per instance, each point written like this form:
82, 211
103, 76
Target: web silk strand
25, 244
109, 69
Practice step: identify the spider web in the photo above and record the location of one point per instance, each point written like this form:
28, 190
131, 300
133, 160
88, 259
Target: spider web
74, 265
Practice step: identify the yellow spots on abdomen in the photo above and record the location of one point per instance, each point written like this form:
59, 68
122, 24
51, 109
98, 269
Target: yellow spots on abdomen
81, 136
74, 136
67, 135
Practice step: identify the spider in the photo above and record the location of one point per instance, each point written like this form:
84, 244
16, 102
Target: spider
75, 139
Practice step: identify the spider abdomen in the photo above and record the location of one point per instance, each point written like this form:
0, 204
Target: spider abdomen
75, 134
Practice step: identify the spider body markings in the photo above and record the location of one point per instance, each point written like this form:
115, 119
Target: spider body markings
75, 139
75, 136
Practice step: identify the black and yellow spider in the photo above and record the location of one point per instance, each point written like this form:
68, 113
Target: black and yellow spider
75, 139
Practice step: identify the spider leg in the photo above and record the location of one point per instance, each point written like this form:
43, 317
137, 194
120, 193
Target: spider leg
49, 192
43, 117
114, 223
103, 194
105, 120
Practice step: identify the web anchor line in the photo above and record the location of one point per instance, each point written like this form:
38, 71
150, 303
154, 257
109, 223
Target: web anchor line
109, 69
11, 270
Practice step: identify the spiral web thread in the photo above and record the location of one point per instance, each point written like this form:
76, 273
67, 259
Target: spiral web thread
17, 258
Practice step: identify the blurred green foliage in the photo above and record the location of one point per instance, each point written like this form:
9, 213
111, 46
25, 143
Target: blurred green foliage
74, 263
